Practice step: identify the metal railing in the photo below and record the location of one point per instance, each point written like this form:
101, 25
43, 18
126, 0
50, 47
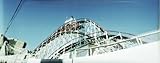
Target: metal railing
124, 44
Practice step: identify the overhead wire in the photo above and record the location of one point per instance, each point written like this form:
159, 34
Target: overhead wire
14, 15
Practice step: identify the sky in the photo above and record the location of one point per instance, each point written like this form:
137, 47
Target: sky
1, 16
37, 19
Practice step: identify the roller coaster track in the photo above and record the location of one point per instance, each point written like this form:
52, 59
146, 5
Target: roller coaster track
85, 39
82, 34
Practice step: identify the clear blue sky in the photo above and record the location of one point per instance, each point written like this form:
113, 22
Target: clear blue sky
1, 16
37, 19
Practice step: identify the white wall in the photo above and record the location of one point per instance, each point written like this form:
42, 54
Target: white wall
148, 53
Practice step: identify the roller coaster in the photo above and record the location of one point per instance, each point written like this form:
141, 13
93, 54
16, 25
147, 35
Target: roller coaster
82, 37
78, 39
